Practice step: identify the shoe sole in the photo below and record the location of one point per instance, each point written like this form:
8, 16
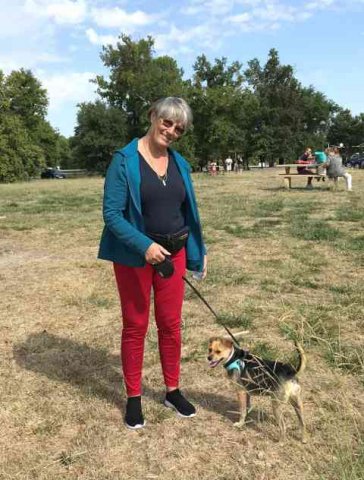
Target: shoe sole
138, 426
170, 405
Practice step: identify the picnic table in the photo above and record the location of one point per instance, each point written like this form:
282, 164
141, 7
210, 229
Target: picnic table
288, 175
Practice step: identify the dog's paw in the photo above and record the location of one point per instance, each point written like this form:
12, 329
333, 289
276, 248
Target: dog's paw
239, 424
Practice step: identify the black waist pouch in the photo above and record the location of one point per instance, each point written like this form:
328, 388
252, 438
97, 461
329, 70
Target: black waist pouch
172, 242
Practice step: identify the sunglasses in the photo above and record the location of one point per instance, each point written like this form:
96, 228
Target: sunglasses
169, 124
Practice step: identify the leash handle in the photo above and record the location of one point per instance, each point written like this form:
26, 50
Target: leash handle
211, 310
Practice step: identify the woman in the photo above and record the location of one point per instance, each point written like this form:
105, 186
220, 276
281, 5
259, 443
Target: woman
150, 214
305, 159
335, 169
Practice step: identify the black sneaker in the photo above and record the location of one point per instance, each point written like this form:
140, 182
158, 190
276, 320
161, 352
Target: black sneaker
177, 401
133, 416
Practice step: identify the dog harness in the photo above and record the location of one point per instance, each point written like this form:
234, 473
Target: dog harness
236, 362
237, 365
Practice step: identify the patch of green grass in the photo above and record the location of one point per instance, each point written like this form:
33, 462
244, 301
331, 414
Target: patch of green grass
227, 276
348, 463
266, 208
269, 285
314, 230
341, 289
233, 320
99, 301
345, 357
300, 281
270, 263
260, 229
267, 222
315, 326
350, 213
264, 350
237, 230
356, 244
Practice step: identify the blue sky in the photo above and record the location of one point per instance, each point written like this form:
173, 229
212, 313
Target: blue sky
60, 41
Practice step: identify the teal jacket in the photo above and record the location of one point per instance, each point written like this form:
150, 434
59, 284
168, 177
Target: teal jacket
123, 238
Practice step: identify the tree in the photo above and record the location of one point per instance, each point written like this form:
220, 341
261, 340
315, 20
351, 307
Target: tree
100, 130
20, 159
217, 99
27, 141
137, 79
346, 129
26, 97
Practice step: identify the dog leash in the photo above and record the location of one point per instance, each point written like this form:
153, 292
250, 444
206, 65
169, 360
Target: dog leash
211, 310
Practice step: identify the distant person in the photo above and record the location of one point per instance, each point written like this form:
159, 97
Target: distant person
213, 168
150, 214
228, 163
335, 169
320, 159
305, 159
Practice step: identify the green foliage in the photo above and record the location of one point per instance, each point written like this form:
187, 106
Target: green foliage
263, 113
290, 116
20, 158
137, 79
346, 129
25, 96
27, 141
100, 130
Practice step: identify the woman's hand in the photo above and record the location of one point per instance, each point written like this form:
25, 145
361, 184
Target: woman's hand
156, 254
204, 271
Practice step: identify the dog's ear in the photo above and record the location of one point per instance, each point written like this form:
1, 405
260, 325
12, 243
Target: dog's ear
227, 342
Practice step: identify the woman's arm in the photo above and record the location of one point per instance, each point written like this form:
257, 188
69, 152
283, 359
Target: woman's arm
116, 195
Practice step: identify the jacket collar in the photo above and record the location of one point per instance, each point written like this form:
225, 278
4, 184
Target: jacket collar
130, 152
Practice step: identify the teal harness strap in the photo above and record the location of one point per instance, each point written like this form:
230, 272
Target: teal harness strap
237, 365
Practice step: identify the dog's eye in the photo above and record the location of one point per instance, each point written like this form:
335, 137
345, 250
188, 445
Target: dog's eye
210, 350
218, 351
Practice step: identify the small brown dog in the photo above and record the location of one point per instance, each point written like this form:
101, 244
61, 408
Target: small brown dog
257, 376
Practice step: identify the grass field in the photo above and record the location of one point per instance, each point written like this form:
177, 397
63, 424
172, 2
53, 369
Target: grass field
283, 264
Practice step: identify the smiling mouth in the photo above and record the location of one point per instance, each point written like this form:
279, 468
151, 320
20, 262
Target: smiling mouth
214, 363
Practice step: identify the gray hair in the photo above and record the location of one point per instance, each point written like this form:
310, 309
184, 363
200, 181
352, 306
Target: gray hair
172, 108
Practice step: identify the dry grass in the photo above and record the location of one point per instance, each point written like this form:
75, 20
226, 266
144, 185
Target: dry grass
284, 264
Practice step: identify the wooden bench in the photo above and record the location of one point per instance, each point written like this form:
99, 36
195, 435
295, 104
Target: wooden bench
287, 177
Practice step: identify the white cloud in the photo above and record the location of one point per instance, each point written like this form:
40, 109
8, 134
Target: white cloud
180, 40
73, 87
214, 7
118, 18
319, 4
61, 11
97, 39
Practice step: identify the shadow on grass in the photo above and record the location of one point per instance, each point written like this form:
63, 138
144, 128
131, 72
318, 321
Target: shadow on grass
95, 372
228, 408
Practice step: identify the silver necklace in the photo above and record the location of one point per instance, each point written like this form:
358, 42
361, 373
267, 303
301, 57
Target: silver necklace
163, 178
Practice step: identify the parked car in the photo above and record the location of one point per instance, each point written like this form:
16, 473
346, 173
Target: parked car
52, 173
355, 161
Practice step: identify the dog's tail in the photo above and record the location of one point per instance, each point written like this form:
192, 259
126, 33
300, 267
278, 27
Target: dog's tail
302, 358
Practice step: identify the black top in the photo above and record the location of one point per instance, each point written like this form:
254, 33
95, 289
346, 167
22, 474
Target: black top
163, 205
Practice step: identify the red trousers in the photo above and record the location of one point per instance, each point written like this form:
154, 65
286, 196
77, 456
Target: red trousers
134, 285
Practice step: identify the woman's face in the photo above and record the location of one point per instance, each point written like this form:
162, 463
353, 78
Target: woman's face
164, 131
